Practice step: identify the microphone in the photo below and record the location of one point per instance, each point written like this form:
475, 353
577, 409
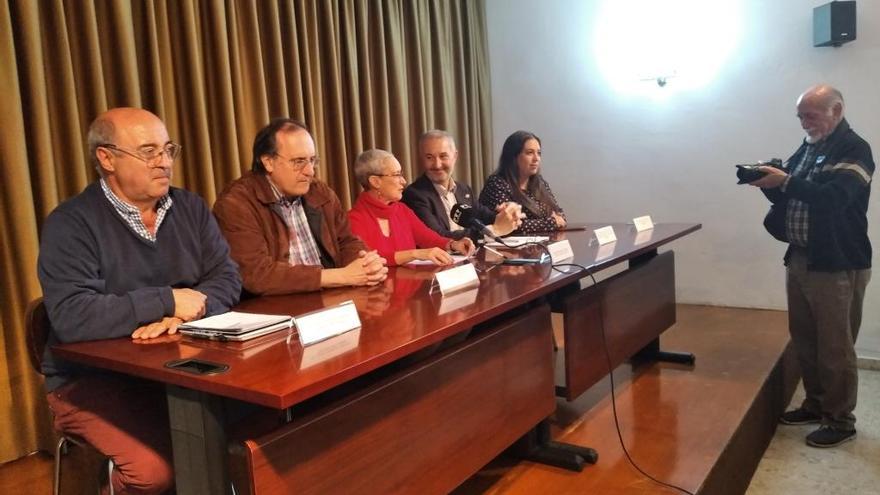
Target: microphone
464, 215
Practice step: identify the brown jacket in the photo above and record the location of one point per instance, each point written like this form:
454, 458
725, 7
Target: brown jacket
259, 241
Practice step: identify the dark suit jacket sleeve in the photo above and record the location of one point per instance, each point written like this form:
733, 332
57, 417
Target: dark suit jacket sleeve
419, 201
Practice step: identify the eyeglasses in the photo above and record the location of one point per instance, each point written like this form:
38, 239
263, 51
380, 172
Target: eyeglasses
398, 175
149, 155
300, 163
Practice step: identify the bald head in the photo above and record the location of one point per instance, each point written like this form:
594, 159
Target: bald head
823, 95
820, 110
132, 151
105, 127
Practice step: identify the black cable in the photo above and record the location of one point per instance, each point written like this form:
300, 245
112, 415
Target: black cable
611, 378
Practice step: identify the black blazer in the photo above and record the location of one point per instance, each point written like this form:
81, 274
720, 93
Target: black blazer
423, 199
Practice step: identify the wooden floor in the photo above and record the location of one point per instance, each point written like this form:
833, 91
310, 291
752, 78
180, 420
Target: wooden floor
33, 472
80, 473
702, 428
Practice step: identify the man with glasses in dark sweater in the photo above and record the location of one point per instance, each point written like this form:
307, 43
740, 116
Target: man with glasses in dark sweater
130, 256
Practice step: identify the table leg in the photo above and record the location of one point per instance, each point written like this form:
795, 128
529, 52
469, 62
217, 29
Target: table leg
652, 352
198, 440
536, 446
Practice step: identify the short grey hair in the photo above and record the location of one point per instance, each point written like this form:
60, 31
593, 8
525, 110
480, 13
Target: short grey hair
101, 131
370, 163
436, 134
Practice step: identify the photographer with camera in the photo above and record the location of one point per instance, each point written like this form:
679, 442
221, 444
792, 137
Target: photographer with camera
819, 205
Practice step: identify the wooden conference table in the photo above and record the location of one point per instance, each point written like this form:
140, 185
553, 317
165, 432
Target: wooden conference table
424, 394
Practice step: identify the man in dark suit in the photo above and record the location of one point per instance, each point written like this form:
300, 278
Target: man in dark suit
435, 192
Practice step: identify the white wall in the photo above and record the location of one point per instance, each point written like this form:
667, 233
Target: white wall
611, 157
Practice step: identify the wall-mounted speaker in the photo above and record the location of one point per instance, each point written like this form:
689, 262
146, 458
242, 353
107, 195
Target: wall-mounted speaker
834, 23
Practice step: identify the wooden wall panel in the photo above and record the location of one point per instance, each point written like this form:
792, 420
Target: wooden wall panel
635, 307
424, 430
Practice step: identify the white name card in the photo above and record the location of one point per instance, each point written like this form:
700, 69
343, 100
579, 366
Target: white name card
605, 251
325, 323
643, 223
457, 278
560, 250
605, 235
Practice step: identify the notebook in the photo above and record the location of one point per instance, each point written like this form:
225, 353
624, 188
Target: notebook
235, 326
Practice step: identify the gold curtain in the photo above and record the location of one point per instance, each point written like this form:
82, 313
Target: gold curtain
360, 73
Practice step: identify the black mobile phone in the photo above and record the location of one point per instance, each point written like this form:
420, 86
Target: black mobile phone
196, 366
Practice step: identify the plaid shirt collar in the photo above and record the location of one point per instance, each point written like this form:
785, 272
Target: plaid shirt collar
132, 215
280, 198
302, 247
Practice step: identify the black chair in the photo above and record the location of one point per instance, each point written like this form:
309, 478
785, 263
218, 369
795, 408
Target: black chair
38, 327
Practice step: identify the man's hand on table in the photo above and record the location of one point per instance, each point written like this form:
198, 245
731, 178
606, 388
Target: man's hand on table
167, 325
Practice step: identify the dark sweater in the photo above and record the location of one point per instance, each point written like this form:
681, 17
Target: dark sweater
838, 201
101, 280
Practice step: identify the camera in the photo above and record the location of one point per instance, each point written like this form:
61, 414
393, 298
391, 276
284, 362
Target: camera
751, 172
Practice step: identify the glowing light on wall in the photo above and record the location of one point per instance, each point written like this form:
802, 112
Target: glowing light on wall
662, 47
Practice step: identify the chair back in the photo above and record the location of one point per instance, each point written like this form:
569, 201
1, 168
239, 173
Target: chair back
37, 328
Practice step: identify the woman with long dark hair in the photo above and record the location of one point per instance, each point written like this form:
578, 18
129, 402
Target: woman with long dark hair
518, 179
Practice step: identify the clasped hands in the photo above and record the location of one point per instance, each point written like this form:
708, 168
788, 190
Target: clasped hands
368, 269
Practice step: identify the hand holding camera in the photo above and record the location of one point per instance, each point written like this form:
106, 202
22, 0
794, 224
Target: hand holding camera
752, 172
